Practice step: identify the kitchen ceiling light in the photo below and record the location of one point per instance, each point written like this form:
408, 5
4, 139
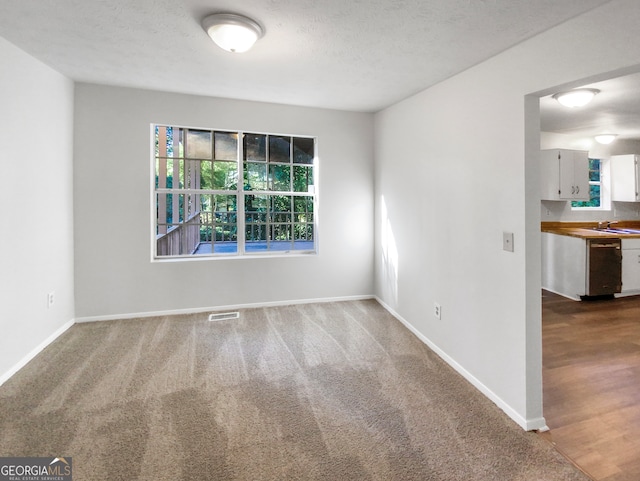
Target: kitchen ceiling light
605, 138
576, 98
231, 32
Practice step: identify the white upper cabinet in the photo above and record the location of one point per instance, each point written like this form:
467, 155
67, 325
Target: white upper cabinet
624, 178
564, 174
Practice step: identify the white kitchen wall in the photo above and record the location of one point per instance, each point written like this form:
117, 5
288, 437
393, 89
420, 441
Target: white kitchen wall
36, 245
555, 211
114, 274
456, 166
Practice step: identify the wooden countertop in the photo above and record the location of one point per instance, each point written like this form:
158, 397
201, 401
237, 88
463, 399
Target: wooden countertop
587, 230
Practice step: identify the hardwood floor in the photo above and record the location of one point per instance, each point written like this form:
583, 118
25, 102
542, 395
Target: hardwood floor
591, 380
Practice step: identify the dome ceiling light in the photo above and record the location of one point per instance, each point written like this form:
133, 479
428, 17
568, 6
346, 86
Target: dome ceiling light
576, 98
232, 32
605, 138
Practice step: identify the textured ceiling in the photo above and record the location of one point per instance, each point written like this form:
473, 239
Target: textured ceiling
359, 55
615, 110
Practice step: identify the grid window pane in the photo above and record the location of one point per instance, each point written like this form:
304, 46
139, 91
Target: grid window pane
594, 191
161, 173
192, 174
170, 208
225, 218
279, 149
175, 146
167, 141
255, 147
303, 209
255, 208
303, 150
269, 223
225, 175
280, 210
226, 146
280, 237
205, 176
255, 176
218, 224
302, 178
279, 177
167, 169
198, 144
594, 170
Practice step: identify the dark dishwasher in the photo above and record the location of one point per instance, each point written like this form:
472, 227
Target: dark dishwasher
604, 267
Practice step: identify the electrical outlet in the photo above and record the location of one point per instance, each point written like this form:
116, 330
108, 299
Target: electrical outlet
437, 310
51, 299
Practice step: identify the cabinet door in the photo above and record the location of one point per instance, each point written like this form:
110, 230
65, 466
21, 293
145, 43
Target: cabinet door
564, 175
567, 168
624, 178
630, 270
564, 265
550, 175
581, 189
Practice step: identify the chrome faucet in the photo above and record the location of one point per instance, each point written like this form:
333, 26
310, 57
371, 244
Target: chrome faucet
606, 224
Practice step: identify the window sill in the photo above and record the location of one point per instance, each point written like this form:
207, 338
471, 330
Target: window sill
223, 257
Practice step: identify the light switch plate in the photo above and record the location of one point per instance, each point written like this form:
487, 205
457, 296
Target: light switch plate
507, 241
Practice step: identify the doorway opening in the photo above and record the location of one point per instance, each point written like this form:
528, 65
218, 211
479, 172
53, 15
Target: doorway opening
591, 349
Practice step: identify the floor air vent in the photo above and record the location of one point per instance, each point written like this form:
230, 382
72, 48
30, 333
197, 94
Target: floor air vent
223, 316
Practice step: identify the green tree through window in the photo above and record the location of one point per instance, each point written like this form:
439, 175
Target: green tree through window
595, 184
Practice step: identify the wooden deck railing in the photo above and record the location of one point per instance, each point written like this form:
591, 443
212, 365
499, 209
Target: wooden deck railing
182, 239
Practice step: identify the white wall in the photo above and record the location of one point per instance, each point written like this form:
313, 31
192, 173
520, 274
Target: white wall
456, 165
36, 245
114, 275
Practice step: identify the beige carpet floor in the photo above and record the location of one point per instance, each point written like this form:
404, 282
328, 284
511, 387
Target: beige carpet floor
328, 391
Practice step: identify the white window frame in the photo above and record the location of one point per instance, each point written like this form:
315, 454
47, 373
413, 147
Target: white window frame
241, 194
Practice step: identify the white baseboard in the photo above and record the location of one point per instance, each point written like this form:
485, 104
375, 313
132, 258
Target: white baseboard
23, 362
573, 298
526, 424
543, 429
627, 293
195, 310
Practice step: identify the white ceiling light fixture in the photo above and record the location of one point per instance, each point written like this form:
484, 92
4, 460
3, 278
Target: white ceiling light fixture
232, 32
605, 138
576, 98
